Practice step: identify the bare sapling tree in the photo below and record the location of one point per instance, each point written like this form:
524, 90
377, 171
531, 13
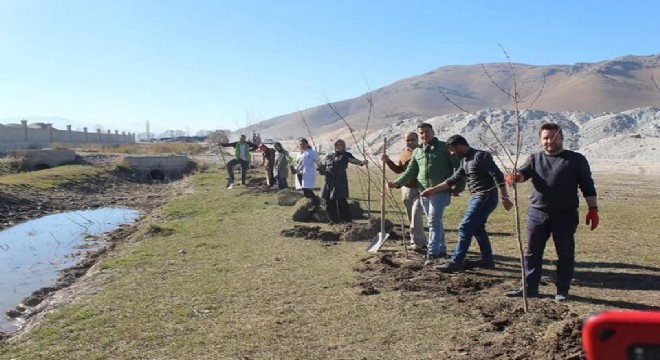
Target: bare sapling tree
309, 130
512, 161
361, 146
363, 187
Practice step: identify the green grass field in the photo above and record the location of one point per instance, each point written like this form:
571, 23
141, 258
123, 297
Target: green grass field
209, 277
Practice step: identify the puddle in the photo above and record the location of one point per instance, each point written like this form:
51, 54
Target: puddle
33, 253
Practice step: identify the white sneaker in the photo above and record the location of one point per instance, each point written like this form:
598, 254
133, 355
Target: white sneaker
230, 185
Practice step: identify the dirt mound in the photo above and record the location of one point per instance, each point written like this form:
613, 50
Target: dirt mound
364, 231
356, 209
547, 331
306, 211
288, 197
408, 275
310, 233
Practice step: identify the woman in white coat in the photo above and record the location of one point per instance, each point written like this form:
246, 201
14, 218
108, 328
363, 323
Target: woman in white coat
306, 164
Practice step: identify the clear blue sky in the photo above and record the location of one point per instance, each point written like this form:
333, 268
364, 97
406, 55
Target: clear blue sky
194, 65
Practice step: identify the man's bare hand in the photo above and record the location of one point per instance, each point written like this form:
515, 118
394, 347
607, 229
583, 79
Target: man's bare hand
391, 185
384, 157
507, 203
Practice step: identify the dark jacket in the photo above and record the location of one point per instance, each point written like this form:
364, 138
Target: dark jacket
556, 178
333, 167
483, 175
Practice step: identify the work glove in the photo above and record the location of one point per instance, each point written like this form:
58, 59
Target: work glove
509, 180
592, 218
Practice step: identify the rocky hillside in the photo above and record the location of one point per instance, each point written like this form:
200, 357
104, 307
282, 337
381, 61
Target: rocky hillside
632, 134
609, 86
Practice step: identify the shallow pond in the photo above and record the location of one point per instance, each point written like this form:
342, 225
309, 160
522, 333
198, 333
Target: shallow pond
33, 253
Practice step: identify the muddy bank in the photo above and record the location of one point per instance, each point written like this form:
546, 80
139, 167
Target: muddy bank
107, 189
19, 204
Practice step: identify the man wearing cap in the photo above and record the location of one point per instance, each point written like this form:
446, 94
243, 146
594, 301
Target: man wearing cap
556, 174
410, 194
432, 164
335, 184
242, 156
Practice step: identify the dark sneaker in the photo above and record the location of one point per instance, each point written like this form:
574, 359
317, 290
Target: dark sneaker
482, 264
519, 293
449, 267
561, 297
230, 184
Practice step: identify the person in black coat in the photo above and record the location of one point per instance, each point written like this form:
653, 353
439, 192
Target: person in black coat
335, 184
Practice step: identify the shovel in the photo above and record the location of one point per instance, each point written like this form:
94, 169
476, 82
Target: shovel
379, 240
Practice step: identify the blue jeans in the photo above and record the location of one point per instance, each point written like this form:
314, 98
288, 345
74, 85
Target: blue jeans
434, 206
474, 224
562, 226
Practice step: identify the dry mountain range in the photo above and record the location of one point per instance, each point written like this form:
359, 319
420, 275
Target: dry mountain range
608, 86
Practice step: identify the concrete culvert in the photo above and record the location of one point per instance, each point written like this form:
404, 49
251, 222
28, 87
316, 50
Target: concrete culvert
155, 175
41, 166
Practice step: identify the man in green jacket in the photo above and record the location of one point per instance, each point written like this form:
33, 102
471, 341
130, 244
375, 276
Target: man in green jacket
242, 156
432, 164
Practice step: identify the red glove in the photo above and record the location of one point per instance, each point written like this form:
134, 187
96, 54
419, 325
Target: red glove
509, 180
592, 218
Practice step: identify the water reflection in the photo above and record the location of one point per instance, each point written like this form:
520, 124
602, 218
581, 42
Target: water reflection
34, 252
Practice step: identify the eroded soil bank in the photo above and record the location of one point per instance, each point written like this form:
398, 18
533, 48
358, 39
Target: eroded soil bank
19, 204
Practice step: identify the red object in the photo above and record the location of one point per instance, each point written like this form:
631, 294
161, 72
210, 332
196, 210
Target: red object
592, 218
622, 335
518, 178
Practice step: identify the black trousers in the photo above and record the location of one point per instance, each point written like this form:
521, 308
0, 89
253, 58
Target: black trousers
244, 169
540, 226
309, 193
338, 210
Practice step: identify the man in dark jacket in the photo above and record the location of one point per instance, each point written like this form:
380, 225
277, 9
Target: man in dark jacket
556, 174
242, 156
484, 179
335, 185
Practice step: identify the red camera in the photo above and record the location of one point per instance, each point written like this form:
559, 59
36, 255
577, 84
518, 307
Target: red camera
632, 335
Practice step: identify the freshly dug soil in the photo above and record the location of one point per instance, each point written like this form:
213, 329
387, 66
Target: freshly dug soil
548, 331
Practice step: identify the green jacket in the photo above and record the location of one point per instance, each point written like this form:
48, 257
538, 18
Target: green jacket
431, 165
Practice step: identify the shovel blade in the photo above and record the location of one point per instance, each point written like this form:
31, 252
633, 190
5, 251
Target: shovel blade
377, 242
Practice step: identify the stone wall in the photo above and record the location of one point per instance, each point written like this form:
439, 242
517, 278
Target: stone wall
24, 137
